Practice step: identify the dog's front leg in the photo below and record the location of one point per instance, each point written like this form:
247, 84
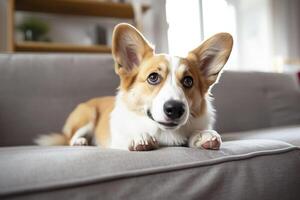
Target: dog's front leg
143, 142
206, 139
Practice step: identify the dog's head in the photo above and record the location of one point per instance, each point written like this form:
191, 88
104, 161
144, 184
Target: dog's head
165, 88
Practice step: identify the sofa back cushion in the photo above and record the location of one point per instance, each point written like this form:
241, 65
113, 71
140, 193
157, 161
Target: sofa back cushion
285, 109
242, 99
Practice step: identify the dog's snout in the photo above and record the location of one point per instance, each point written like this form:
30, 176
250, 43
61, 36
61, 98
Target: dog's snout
174, 109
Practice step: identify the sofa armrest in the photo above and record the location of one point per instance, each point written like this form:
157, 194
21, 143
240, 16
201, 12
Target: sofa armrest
249, 169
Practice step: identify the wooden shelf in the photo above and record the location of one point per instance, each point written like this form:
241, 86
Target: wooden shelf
97, 8
79, 7
59, 47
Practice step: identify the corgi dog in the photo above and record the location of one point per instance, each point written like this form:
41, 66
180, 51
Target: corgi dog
162, 100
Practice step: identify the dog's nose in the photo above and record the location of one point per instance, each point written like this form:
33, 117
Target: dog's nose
174, 109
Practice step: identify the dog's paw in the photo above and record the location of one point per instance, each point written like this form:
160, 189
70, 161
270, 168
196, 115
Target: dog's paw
144, 142
207, 139
80, 142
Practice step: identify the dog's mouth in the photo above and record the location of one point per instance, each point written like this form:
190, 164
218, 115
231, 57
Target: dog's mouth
165, 124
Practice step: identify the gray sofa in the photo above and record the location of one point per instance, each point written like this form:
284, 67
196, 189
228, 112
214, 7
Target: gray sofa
258, 115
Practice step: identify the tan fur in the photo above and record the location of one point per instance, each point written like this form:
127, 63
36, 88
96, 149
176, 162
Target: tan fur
222, 44
127, 72
96, 111
199, 89
102, 130
141, 88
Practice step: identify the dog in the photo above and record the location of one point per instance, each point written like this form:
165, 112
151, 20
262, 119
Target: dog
162, 100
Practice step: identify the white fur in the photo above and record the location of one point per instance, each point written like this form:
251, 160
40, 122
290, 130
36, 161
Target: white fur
133, 128
82, 141
84, 132
138, 127
170, 91
51, 140
198, 138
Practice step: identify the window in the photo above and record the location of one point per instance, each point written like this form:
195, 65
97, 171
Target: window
184, 33
249, 21
220, 16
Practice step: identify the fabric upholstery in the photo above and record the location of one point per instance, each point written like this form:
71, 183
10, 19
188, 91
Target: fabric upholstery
289, 134
240, 169
242, 99
284, 107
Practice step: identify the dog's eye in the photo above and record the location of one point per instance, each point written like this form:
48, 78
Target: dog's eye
154, 78
187, 82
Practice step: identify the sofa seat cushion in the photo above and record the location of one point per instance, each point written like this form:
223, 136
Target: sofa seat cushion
289, 134
247, 169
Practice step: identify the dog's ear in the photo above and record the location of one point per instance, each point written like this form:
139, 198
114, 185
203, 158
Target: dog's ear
211, 55
129, 47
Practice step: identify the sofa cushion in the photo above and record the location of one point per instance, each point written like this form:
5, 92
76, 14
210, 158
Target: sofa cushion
241, 99
289, 134
239, 170
284, 107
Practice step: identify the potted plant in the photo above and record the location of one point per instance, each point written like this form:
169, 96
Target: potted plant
34, 29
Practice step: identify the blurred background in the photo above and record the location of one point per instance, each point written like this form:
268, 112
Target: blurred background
266, 32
